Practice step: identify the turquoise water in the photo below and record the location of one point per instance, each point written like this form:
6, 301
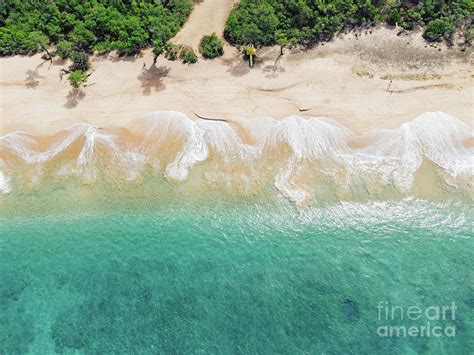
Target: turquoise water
234, 278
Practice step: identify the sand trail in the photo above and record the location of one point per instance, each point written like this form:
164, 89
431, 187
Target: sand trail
207, 17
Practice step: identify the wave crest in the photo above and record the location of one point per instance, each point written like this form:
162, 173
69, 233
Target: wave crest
295, 154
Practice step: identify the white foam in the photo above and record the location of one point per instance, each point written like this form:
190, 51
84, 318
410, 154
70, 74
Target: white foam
169, 126
309, 140
199, 138
287, 149
398, 154
5, 187
100, 150
193, 152
26, 147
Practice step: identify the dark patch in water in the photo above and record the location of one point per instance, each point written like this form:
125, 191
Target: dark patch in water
11, 287
351, 310
16, 327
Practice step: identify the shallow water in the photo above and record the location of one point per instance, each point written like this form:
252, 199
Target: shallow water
151, 276
266, 236
306, 160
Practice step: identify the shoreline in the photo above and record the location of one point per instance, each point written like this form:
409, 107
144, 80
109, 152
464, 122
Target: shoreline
364, 81
301, 158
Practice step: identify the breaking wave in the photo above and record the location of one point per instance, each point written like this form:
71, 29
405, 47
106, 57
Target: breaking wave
301, 158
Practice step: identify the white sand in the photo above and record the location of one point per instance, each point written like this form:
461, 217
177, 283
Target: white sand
343, 79
207, 17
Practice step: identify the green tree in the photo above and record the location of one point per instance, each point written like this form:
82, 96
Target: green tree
211, 46
281, 40
40, 40
158, 49
187, 55
83, 38
80, 61
64, 49
268, 22
171, 51
77, 78
252, 22
439, 28
251, 52
98, 25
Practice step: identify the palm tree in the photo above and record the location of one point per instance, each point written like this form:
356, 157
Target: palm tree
251, 51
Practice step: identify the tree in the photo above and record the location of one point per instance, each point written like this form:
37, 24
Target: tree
439, 28
253, 22
64, 49
42, 41
80, 61
281, 40
158, 49
99, 25
78, 69
171, 51
83, 38
187, 55
77, 78
251, 52
269, 22
211, 46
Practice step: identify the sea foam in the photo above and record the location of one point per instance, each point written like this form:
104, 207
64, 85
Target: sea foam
287, 152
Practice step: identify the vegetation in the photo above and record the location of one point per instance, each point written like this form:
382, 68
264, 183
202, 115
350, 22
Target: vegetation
171, 51
268, 22
125, 26
76, 26
187, 55
250, 52
64, 49
77, 78
211, 46
80, 61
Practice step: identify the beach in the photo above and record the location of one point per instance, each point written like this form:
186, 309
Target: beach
365, 81
305, 205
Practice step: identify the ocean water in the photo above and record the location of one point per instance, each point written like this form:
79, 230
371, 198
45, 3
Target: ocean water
263, 236
239, 277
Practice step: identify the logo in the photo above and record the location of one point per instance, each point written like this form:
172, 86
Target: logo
427, 321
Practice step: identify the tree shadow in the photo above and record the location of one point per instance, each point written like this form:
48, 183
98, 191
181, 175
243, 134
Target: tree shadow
116, 57
31, 81
272, 71
32, 76
237, 66
73, 97
152, 78
59, 61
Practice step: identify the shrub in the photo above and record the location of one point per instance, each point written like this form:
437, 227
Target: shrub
104, 25
211, 46
80, 61
64, 49
77, 78
439, 28
308, 21
394, 17
171, 51
187, 55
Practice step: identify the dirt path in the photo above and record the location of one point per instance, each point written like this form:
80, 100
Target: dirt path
207, 17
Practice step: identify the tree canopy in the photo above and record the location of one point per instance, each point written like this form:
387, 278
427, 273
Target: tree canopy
211, 46
268, 22
76, 28
97, 25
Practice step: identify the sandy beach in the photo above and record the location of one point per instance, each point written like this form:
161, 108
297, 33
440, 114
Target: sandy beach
366, 80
